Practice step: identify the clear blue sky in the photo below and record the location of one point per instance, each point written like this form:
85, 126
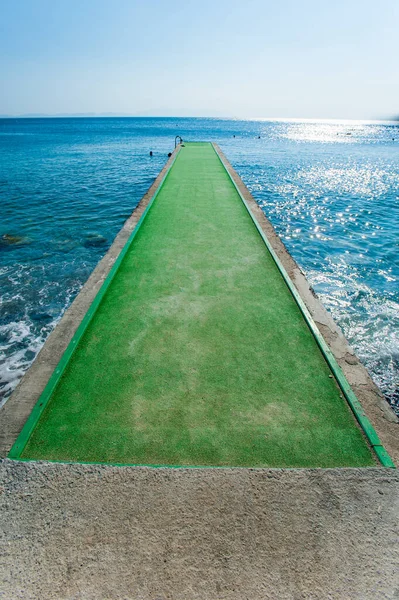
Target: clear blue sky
244, 58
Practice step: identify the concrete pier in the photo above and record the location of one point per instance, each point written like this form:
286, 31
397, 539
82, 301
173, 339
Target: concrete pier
195, 351
100, 531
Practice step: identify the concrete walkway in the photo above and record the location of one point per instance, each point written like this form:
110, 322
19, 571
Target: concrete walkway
80, 532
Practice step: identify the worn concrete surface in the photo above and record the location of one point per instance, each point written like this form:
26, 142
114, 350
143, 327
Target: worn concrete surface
100, 532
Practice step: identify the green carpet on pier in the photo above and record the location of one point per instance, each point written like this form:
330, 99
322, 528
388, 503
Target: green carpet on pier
198, 354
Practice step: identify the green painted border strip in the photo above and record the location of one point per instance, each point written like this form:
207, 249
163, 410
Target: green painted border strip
349, 394
44, 398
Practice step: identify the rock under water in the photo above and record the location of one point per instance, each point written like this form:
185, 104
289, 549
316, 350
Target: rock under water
8, 240
94, 240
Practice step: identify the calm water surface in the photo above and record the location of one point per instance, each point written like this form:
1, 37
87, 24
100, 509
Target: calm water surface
330, 189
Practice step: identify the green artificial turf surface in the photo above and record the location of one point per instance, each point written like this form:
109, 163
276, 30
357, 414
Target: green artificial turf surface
198, 354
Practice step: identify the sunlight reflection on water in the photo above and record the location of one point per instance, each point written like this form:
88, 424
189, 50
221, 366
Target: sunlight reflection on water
340, 220
331, 189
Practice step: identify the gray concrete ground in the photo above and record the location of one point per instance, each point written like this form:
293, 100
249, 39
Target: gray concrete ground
100, 532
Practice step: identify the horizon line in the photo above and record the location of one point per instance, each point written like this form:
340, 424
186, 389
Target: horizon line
104, 115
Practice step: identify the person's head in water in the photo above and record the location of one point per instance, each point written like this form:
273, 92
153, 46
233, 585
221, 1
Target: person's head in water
150, 152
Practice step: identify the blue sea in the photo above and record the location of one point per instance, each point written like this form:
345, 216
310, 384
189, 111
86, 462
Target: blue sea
331, 189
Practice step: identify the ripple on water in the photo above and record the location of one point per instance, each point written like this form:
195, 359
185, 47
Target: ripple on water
341, 223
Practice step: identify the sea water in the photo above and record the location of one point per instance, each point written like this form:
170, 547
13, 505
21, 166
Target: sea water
331, 189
